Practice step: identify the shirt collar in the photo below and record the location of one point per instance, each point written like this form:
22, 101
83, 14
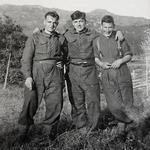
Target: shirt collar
111, 36
84, 31
54, 33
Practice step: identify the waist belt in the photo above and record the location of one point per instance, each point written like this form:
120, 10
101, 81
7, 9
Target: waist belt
83, 64
82, 61
46, 61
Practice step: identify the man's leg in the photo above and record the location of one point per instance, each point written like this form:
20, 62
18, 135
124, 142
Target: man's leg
113, 96
93, 105
29, 107
125, 85
127, 95
78, 113
54, 102
28, 111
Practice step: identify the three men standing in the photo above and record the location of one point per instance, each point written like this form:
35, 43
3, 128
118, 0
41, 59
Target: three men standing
43, 78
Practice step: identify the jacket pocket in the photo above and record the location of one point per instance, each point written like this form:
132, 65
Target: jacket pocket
42, 47
71, 40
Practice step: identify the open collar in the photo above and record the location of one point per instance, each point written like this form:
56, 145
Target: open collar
53, 34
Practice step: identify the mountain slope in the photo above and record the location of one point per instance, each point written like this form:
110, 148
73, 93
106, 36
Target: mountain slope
31, 16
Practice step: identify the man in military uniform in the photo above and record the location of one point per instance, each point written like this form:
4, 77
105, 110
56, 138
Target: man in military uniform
116, 77
42, 76
82, 74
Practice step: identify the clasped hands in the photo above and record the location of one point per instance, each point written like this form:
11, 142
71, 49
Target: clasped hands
115, 65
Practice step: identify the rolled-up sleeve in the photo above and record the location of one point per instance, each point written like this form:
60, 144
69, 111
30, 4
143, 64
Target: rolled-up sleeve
96, 49
126, 48
27, 58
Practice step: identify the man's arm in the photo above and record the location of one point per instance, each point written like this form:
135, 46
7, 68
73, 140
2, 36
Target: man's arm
104, 65
27, 62
98, 55
116, 64
127, 55
119, 36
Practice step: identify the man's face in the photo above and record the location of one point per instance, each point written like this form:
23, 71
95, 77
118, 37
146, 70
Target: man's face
50, 23
79, 24
107, 28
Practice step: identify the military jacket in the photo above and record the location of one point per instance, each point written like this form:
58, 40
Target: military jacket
80, 48
42, 46
80, 45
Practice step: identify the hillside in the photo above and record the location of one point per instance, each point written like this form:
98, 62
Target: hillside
120, 20
32, 16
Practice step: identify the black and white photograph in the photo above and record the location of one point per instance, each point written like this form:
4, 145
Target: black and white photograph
75, 74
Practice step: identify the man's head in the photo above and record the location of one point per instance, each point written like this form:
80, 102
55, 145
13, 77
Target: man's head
51, 21
107, 25
78, 20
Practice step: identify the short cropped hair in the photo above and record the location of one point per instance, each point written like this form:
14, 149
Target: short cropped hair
54, 14
78, 15
108, 19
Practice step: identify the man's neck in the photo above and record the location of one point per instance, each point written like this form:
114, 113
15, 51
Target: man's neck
107, 35
83, 30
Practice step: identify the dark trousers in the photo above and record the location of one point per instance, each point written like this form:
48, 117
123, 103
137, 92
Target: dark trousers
29, 107
85, 101
118, 90
47, 84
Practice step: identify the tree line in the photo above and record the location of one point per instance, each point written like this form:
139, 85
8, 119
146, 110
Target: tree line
12, 43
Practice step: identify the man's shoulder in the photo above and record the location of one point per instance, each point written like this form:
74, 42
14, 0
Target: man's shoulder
93, 33
37, 34
69, 34
61, 38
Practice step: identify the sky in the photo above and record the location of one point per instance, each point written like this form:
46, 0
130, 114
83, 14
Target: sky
136, 8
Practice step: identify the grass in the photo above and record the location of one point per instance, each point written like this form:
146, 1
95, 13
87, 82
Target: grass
68, 138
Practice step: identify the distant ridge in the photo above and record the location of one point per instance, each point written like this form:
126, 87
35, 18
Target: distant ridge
31, 16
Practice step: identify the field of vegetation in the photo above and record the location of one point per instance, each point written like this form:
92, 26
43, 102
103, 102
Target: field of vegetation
136, 137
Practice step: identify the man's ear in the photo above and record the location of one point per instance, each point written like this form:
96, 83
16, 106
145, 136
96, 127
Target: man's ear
73, 23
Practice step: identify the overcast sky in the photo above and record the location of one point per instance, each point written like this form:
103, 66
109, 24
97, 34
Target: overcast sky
137, 8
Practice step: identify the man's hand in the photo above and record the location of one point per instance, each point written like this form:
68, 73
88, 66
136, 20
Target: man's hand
119, 36
105, 65
116, 64
29, 83
36, 30
59, 64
